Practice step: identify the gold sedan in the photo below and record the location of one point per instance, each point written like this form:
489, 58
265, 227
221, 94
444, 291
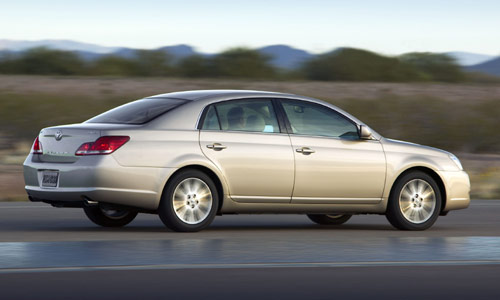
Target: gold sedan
189, 156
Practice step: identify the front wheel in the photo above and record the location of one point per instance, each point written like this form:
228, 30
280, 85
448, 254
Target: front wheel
189, 202
415, 202
108, 217
329, 219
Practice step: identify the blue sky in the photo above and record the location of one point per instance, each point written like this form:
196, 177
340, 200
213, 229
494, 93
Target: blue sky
389, 27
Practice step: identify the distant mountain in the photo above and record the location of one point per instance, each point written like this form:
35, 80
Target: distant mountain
177, 52
68, 45
491, 67
125, 52
284, 56
6, 53
468, 58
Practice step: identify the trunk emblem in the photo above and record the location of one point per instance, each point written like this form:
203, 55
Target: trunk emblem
58, 135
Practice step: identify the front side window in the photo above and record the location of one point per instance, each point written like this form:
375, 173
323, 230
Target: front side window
138, 112
253, 115
308, 118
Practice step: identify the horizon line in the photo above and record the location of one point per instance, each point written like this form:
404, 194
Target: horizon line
232, 47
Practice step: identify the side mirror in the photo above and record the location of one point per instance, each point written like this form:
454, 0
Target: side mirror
365, 133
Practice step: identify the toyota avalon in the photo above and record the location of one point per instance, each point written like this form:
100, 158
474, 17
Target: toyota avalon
189, 156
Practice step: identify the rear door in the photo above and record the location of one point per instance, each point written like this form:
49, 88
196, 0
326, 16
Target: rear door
243, 139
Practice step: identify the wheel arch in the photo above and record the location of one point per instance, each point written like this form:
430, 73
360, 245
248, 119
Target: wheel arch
430, 172
210, 173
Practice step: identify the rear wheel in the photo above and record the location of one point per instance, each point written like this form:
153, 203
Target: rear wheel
189, 202
331, 219
415, 202
109, 217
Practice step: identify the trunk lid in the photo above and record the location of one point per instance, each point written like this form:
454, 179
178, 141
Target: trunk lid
59, 143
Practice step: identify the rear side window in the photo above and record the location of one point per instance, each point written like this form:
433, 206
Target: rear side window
138, 112
211, 121
252, 115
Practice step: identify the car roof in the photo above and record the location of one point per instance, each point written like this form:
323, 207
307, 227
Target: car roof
214, 94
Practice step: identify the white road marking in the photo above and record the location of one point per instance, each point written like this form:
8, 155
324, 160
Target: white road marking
251, 266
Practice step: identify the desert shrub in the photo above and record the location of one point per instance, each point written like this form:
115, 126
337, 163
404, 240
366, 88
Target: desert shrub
436, 67
151, 63
42, 61
241, 63
112, 65
350, 64
345, 64
194, 66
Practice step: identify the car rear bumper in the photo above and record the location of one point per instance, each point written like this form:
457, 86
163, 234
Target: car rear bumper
97, 178
457, 187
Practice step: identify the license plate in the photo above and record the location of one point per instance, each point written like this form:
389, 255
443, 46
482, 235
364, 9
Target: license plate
49, 178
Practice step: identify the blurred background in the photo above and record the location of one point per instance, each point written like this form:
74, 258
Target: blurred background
423, 72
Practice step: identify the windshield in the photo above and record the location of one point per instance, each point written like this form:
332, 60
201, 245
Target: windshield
138, 112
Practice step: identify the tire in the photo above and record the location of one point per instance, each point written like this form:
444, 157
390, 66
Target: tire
182, 208
329, 219
414, 202
109, 217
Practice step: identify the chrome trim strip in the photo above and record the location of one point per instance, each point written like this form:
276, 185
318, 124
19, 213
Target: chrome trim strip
309, 200
261, 199
305, 200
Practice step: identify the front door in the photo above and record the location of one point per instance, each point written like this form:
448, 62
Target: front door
332, 165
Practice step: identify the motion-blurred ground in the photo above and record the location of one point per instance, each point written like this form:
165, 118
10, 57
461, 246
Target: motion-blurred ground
462, 118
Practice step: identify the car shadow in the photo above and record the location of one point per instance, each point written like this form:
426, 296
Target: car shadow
312, 227
213, 228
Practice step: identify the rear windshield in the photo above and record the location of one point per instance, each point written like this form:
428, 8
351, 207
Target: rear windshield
138, 112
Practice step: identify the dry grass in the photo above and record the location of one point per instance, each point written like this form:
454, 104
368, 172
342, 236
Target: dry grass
12, 183
458, 117
140, 87
484, 173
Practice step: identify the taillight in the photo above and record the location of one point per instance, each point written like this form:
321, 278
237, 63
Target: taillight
37, 147
103, 145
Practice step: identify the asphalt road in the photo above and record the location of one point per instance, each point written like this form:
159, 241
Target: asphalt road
50, 253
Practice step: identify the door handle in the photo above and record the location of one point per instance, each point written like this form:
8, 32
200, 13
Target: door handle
305, 150
216, 146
